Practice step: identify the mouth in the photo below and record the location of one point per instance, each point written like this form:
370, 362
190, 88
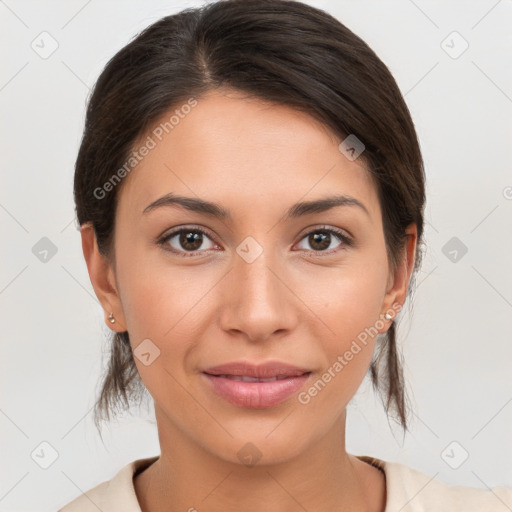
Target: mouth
256, 387
266, 370
246, 378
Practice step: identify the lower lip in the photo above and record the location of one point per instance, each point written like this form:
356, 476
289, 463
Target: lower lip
256, 395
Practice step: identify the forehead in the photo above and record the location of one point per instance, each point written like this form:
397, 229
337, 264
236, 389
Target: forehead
245, 152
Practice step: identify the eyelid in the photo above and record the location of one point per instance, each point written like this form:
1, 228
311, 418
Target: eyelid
326, 227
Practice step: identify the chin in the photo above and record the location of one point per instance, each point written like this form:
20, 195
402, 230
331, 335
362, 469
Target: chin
260, 449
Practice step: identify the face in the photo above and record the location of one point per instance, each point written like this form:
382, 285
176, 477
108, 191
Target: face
262, 283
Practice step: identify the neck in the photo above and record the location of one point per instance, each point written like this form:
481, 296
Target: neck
322, 478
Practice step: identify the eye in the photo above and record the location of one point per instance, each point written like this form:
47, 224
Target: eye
191, 240
321, 240
185, 240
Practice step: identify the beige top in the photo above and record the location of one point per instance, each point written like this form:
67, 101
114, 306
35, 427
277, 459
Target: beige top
408, 490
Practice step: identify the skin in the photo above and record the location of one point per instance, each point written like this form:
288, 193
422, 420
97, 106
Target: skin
256, 160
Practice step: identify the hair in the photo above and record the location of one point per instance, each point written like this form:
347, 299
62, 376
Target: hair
280, 51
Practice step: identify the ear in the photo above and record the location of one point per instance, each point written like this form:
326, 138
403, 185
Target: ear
398, 281
102, 278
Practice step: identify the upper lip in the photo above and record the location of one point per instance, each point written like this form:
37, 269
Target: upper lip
264, 370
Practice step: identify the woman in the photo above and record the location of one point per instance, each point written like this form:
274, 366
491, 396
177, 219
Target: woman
250, 191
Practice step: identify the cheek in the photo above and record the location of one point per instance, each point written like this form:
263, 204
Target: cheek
157, 296
351, 308
159, 307
167, 306
349, 299
357, 305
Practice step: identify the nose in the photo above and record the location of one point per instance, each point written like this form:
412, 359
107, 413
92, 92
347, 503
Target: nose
257, 299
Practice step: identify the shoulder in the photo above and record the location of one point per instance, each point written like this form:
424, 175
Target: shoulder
410, 490
112, 495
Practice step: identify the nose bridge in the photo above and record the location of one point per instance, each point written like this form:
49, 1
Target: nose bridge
258, 302
255, 270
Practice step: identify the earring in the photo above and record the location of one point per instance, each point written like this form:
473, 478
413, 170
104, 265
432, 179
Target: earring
387, 316
111, 318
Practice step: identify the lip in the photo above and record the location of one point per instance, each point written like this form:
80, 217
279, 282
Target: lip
256, 395
264, 370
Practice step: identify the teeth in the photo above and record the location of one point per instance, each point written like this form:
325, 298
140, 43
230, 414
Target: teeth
245, 378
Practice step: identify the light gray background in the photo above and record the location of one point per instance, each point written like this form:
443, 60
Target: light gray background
456, 343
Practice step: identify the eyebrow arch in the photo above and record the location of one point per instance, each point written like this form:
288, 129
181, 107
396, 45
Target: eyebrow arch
216, 210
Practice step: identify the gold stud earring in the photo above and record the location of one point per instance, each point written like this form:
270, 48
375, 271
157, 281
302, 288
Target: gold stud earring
111, 318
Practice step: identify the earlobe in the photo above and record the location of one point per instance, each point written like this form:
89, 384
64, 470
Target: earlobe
102, 279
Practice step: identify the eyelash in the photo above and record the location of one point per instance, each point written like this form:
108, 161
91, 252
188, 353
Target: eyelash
346, 240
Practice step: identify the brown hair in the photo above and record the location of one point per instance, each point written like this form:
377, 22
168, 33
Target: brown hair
282, 51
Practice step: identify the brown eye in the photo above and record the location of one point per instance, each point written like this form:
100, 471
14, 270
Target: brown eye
191, 240
324, 240
319, 241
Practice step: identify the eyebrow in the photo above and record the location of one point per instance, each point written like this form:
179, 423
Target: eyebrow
216, 210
